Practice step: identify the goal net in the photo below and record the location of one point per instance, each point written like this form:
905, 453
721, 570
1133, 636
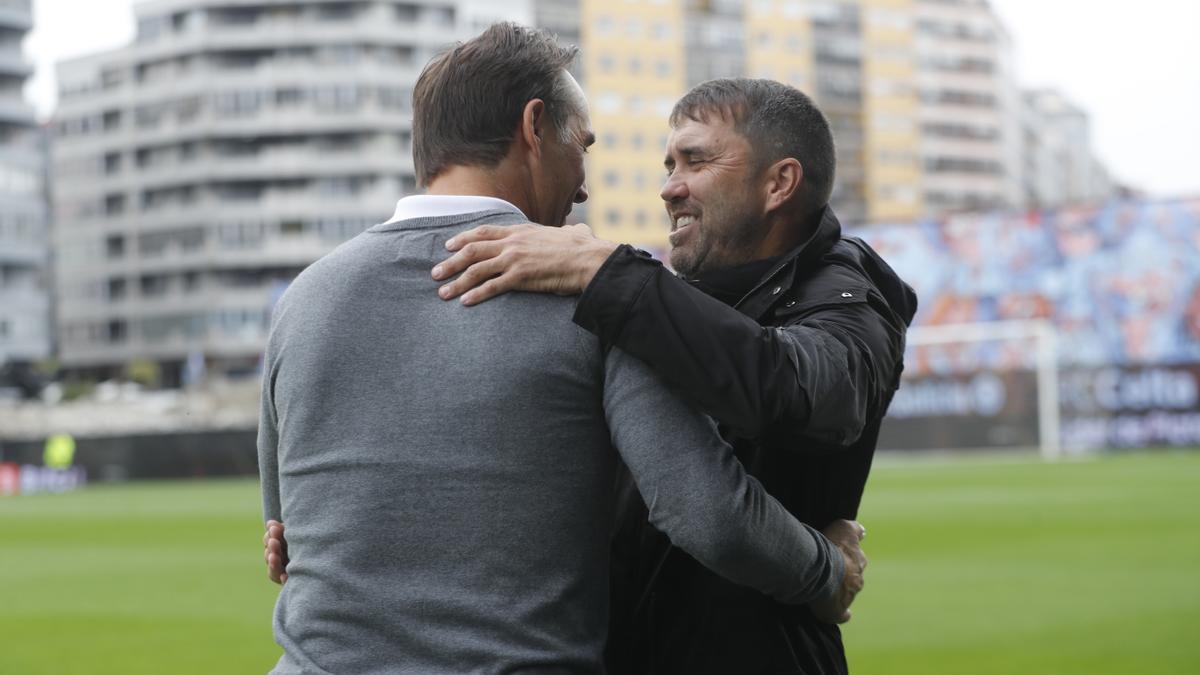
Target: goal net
978, 386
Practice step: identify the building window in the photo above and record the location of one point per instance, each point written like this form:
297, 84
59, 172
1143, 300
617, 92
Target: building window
114, 246
234, 16
407, 13
111, 120
395, 98
442, 16
336, 11
608, 102
116, 289
153, 285
288, 97
117, 331
342, 98
237, 103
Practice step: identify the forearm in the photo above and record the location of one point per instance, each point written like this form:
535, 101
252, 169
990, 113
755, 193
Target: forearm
700, 496
743, 534
723, 361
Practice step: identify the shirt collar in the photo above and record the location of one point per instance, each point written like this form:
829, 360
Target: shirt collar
435, 206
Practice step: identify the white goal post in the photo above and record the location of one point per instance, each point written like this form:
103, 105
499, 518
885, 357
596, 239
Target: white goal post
1045, 339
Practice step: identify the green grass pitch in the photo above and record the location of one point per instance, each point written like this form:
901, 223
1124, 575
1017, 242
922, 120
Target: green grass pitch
978, 566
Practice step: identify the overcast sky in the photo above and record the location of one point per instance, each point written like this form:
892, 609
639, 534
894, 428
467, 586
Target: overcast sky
1132, 65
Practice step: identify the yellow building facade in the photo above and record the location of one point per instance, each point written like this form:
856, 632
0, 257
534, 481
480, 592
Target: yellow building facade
779, 42
891, 128
872, 66
634, 71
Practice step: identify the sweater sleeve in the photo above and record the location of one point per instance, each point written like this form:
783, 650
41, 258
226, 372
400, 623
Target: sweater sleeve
700, 496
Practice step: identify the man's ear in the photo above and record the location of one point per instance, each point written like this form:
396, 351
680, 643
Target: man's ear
533, 125
782, 182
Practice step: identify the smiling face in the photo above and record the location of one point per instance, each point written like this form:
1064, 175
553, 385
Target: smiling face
712, 196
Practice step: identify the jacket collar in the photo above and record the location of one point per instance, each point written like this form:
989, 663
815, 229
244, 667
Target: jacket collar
783, 274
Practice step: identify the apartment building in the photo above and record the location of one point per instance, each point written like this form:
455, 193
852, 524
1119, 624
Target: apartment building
921, 96
969, 108
24, 296
199, 169
1059, 167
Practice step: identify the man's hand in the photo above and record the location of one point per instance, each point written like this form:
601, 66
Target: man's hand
498, 259
275, 552
847, 535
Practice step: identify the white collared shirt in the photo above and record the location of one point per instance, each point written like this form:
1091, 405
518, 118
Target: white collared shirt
435, 206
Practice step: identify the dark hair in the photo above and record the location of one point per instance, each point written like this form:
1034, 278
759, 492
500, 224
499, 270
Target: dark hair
779, 121
468, 101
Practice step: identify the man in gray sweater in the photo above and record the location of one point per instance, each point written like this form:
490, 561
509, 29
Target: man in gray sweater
424, 540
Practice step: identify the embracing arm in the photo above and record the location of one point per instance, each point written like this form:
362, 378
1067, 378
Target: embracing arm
700, 496
818, 377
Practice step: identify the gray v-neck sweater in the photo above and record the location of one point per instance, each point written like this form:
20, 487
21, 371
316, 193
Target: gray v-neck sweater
445, 473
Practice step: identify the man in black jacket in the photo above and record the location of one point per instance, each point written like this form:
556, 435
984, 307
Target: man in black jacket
783, 330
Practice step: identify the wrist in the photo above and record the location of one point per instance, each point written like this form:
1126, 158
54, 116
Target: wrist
590, 263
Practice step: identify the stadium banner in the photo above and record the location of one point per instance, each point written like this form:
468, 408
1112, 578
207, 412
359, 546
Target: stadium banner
963, 412
1117, 286
10, 479
1115, 407
1130, 407
29, 479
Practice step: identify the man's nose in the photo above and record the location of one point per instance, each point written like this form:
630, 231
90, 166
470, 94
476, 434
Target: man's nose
581, 195
673, 190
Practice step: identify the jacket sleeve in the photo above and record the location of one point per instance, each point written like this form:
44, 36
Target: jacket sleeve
701, 497
820, 377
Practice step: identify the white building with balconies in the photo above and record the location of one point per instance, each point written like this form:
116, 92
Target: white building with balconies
24, 296
1060, 168
199, 169
969, 108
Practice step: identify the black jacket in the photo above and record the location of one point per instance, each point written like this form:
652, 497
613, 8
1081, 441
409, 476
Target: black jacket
799, 374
